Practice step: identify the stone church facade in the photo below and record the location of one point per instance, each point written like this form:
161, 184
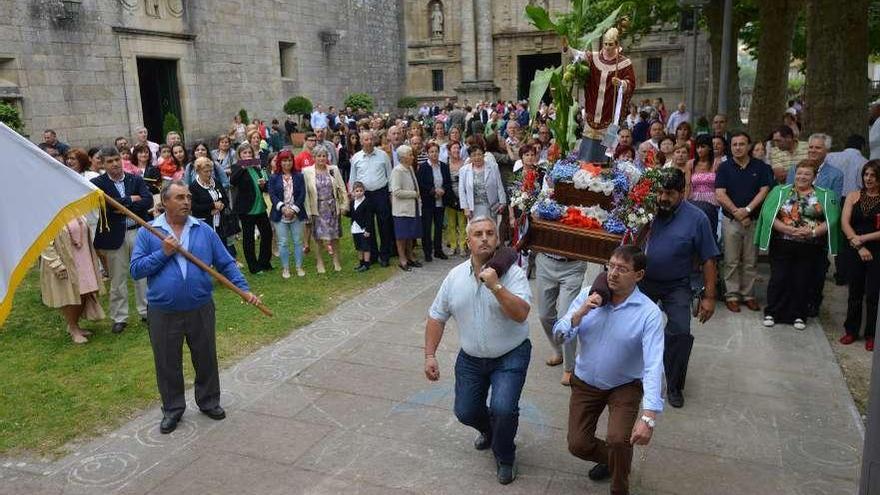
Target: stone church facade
96, 69
483, 49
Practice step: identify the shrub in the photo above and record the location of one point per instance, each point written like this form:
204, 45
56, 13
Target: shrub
298, 105
171, 123
9, 115
360, 100
242, 114
407, 102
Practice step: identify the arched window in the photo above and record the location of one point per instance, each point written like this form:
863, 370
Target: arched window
436, 19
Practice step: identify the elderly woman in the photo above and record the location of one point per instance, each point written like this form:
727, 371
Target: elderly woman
326, 199
405, 207
288, 193
78, 160
480, 188
799, 224
200, 150
250, 181
861, 226
210, 201
70, 279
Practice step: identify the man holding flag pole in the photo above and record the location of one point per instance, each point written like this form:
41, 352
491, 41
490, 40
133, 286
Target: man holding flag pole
179, 303
54, 194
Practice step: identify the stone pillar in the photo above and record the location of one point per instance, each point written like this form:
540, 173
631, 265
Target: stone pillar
468, 42
485, 60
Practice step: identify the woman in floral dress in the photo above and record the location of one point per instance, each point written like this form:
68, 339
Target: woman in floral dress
326, 200
798, 223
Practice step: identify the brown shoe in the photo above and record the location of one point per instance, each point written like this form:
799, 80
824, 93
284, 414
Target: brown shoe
566, 378
732, 305
554, 361
753, 304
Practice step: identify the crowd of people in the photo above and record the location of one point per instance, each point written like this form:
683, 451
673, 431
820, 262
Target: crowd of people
437, 184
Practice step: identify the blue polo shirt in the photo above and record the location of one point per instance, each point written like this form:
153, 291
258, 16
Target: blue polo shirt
743, 183
674, 242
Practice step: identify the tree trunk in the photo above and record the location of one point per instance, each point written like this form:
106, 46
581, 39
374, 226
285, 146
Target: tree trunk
837, 67
715, 21
778, 19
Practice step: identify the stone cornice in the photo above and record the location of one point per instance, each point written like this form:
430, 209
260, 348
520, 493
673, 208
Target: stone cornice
159, 34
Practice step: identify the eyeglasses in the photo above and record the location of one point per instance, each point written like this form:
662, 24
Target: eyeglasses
623, 270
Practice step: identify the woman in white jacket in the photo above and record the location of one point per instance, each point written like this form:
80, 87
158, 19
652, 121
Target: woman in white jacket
480, 189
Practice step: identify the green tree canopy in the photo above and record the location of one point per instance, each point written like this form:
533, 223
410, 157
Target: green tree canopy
359, 100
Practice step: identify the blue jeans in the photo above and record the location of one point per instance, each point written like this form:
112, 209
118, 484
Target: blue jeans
506, 376
284, 231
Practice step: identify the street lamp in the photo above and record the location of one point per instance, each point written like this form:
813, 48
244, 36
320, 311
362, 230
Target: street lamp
694, 6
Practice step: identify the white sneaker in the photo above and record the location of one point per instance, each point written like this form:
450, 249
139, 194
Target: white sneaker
300, 272
799, 324
769, 321
285, 273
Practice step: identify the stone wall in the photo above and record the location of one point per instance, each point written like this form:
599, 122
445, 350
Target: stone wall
79, 76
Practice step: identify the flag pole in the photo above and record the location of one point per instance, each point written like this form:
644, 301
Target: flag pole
186, 254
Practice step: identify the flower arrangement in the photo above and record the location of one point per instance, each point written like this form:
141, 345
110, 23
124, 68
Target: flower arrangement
636, 209
525, 187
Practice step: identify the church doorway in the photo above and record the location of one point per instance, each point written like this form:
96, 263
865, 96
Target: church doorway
528, 65
160, 94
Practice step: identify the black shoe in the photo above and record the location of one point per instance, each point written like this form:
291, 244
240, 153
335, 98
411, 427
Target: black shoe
675, 398
267, 267
428, 258
415, 264
362, 267
405, 268
118, 327
216, 413
383, 263
441, 256
482, 442
506, 473
599, 472
168, 424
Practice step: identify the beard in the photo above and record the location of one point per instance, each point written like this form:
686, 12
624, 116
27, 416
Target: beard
665, 211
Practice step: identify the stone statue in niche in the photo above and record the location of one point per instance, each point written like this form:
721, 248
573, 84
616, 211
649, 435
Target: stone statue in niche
436, 20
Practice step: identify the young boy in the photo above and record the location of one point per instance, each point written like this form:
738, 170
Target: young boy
361, 212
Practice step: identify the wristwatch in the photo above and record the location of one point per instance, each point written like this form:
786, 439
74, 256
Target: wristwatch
649, 421
748, 210
496, 288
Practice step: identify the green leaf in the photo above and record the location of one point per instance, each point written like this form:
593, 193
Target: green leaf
540, 18
571, 134
597, 32
539, 87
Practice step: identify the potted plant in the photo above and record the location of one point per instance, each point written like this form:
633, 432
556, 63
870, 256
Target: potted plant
298, 106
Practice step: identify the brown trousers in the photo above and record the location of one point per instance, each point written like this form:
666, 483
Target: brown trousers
586, 405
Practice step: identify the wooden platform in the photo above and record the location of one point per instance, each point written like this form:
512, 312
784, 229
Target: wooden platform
572, 242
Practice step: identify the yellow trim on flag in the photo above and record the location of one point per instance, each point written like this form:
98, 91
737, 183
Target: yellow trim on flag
82, 206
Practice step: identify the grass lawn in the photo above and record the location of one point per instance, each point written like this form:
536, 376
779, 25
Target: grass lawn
54, 391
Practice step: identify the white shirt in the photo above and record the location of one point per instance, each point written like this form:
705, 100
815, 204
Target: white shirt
484, 330
675, 119
874, 139
355, 228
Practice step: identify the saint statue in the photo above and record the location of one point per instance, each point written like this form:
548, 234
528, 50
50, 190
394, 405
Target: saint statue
609, 70
436, 20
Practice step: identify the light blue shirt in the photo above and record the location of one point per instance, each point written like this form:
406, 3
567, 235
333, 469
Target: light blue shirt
484, 330
120, 187
161, 221
827, 178
618, 344
849, 161
372, 169
318, 120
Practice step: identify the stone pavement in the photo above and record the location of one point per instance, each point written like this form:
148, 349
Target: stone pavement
342, 406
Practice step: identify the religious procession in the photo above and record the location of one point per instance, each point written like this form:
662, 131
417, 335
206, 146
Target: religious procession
364, 233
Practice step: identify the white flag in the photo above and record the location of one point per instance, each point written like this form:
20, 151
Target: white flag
38, 196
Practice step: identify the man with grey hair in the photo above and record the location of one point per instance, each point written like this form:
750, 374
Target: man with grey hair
490, 312
372, 168
320, 140
140, 135
395, 139
114, 240
181, 307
